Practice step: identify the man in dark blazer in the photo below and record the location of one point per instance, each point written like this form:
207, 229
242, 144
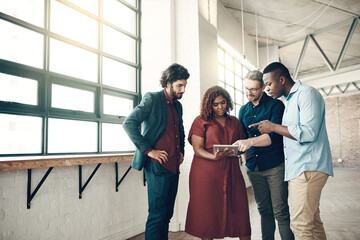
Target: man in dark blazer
160, 147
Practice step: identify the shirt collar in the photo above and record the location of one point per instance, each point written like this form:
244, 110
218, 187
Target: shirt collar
262, 100
294, 89
168, 99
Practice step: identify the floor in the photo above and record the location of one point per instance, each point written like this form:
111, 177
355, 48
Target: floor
340, 209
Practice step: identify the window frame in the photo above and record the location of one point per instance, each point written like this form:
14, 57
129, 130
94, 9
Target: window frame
46, 78
236, 103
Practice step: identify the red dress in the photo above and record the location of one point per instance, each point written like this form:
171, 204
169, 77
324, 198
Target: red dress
218, 205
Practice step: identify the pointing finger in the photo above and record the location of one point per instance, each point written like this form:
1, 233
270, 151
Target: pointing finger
254, 125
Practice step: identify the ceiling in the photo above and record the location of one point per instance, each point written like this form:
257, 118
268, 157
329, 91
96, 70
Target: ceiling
325, 24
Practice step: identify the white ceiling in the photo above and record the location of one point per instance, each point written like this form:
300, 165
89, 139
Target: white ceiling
287, 23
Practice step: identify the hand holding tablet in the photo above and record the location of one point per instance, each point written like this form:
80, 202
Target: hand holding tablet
219, 147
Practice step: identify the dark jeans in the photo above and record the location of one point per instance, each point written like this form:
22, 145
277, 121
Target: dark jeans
162, 187
271, 195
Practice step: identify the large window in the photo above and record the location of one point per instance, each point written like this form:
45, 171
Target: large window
231, 77
69, 75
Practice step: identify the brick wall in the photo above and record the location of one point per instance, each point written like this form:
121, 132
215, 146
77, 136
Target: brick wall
343, 126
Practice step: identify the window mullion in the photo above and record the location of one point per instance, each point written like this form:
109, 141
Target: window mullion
66, 77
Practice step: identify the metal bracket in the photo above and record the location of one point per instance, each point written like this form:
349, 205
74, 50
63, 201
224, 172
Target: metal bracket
82, 188
117, 184
30, 195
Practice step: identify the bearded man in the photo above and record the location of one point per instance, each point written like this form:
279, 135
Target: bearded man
160, 147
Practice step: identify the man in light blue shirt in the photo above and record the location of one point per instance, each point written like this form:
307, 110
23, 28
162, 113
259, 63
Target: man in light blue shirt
308, 161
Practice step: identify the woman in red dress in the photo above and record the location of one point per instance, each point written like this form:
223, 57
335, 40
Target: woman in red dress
218, 205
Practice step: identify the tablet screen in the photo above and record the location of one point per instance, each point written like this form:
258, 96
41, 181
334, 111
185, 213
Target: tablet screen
229, 147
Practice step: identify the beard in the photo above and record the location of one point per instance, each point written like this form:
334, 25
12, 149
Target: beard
174, 94
253, 98
256, 98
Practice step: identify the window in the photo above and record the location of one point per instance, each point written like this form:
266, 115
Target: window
67, 83
231, 76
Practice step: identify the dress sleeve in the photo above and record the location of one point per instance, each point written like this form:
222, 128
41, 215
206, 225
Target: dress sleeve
237, 126
197, 128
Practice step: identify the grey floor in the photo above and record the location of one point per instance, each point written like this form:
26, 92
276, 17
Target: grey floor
340, 209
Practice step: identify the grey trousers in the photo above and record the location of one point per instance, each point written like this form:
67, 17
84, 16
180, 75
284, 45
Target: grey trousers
271, 196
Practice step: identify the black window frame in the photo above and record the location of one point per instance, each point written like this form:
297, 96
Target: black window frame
46, 78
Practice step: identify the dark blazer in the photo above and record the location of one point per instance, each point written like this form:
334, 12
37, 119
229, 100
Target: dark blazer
152, 114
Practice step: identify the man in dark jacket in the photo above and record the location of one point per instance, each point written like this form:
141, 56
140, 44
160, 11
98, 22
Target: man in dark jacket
160, 147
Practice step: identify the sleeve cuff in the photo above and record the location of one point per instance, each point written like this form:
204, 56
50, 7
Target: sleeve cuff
147, 151
294, 131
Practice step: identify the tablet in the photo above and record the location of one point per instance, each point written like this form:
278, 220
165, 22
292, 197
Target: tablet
229, 147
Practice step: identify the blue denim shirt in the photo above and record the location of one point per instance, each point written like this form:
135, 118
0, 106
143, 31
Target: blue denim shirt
304, 116
268, 109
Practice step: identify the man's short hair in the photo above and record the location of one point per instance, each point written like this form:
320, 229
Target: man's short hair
277, 67
173, 73
255, 75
